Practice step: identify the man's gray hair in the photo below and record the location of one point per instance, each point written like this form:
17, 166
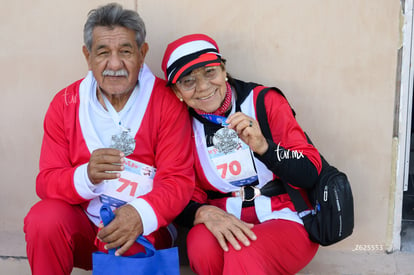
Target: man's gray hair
113, 15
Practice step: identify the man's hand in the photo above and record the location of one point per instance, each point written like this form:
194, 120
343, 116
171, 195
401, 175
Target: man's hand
105, 164
123, 230
225, 227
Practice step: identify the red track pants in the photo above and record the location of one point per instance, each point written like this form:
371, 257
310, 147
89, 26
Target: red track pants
282, 247
60, 236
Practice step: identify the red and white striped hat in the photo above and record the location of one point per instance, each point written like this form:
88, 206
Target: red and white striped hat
188, 53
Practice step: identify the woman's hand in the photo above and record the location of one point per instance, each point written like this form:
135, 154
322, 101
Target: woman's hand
249, 131
225, 227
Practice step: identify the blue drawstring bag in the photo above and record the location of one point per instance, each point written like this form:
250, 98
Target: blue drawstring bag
157, 262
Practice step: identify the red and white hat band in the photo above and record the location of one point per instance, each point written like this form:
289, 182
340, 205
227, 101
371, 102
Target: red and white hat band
188, 53
189, 48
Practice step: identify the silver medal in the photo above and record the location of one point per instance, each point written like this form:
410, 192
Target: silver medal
123, 142
225, 140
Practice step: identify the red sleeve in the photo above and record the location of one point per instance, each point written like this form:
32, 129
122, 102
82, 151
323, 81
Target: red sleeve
55, 178
286, 130
289, 156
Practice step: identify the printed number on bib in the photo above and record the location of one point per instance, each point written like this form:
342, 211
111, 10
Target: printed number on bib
237, 167
233, 168
136, 180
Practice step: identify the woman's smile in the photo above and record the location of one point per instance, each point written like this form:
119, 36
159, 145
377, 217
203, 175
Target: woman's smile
208, 96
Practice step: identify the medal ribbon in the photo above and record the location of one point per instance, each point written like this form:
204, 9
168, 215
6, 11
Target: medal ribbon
113, 113
216, 119
122, 141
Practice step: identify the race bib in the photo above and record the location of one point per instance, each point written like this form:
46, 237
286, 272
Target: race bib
136, 180
236, 167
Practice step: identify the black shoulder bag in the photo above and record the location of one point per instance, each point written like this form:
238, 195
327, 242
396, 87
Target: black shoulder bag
332, 217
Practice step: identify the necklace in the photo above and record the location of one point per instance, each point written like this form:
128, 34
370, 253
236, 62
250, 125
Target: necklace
122, 141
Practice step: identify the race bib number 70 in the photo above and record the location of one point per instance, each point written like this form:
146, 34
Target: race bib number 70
236, 167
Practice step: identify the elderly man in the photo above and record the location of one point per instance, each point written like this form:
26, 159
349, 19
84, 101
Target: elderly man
120, 137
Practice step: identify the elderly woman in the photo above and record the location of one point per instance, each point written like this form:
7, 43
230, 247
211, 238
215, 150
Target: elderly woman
234, 228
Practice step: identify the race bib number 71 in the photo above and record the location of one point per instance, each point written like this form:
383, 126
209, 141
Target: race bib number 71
136, 180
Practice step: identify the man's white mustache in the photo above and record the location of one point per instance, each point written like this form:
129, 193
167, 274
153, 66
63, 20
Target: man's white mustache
115, 73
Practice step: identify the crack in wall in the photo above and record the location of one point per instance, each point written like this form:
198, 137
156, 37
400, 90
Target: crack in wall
13, 257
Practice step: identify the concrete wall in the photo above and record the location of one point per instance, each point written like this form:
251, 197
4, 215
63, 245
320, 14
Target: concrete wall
336, 61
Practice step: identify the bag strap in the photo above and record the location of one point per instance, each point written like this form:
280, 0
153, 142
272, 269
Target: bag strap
294, 194
107, 215
261, 114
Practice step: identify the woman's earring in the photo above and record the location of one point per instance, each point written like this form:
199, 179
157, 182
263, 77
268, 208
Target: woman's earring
227, 79
181, 99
